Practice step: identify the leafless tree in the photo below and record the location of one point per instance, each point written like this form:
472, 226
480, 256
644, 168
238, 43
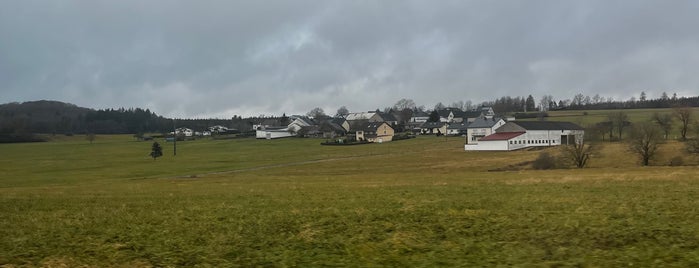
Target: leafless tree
578, 153
644, 141
664, 121
342, 111
316, 113
620, 120
685, 115
693, 145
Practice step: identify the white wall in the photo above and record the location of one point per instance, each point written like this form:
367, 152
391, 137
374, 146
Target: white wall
272, 134
487, 146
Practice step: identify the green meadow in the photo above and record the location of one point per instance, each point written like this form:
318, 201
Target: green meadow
275, 203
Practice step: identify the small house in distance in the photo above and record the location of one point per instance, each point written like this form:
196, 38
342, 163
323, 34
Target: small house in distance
375, 132
523, 134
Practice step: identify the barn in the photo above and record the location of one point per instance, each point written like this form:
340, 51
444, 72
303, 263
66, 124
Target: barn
523, 134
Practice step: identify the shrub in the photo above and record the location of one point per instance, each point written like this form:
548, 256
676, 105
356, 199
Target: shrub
544, 161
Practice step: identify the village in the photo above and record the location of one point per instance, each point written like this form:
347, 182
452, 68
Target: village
481, 129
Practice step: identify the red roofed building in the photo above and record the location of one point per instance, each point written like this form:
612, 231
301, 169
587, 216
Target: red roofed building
518, 135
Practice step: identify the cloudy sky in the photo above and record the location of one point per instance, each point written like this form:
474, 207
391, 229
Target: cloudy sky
225, 58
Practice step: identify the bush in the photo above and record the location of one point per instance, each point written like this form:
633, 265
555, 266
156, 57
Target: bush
676, 161
544, 161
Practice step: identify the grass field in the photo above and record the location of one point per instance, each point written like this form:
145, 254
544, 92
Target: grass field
589, 117
420, 202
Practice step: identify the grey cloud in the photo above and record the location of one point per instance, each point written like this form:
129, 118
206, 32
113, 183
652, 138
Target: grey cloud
220, 58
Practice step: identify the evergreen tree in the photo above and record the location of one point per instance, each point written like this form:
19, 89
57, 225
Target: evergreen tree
530, 104
434, 116
156, 150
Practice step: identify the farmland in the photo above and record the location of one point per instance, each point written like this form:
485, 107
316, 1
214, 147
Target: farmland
292, 202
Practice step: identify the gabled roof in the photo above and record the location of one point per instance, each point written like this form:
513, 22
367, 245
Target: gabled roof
459, 126
484, 122
547, 125
387, 116
502, 136
357, 124
420, 114
433, 124
305, 121
331, 126
372, 126
472, 114
338, 120
458, 113
360, 115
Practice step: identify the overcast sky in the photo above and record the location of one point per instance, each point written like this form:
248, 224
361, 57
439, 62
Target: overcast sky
225, 58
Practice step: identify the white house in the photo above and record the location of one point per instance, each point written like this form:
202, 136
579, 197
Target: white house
482, 127
523, 134
184, 131
300, 122
272, 132
450, 115
419, 117
218, 129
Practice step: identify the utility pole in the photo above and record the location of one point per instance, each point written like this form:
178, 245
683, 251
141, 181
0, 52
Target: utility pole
174, 137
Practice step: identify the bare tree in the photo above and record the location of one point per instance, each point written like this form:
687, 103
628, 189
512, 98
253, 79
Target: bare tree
664, 121
545, 103
620, 120
578, 153
644, 141
458, 104
685, 115
342, 111
439, 106
316, 113
693, 145
403, 104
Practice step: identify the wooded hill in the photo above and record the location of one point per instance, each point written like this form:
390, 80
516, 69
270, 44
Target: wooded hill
18, 121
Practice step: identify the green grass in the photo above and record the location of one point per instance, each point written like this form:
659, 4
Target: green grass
292, 202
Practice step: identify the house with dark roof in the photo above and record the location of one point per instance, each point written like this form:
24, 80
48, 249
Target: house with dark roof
524, 134
375, 132
439, 128
334, 127
482, 127
458, 129
450, 115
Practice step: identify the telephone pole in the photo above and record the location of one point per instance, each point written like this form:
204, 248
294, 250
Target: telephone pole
174, 137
